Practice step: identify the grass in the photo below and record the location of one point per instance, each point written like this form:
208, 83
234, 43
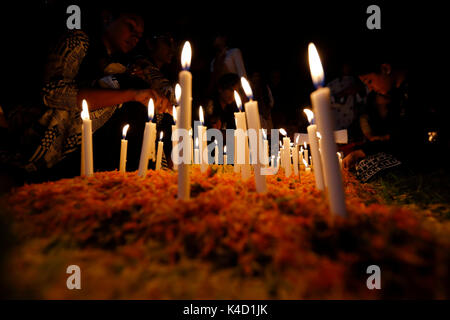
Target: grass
426, 189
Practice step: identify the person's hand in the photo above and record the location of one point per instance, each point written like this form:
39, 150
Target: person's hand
386, 137
162, 104
352, 158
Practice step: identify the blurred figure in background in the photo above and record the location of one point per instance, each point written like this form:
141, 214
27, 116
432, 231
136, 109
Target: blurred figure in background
226, 60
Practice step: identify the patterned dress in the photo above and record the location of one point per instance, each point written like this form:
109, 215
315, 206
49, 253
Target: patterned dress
49, 131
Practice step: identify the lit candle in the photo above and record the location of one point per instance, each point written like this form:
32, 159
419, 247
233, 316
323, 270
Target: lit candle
314, 144
225, 155
340, 160
242, 154
150, 127
191, 147
174, 141
202, 142
265, 161
216, 153
185, 78
87, 141
307, 168
196, 152
253, 120
295, 156
305, 151
123, 148
236, 166
320, 100
160, 151
286, 153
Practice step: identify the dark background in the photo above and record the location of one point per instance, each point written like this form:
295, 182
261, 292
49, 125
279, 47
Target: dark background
271, 35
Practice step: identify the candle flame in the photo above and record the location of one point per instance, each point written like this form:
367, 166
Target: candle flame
174, 114
281, 145
190, 132
304, 143
125, 130
186, 56
151, 109
178, 92
305, 163
315, 66
161, 134
247, 88
309, 115
85, 111
318, 135
296, 139
200, 114
237, 98
225, 149
283, 132
196, 142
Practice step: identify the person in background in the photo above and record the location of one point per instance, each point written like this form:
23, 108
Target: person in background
391, 122
220, 108
226, 60
348, 96
263, 94
159, 52
80, 66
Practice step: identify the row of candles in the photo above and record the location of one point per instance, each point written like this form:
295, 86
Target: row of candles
325, 158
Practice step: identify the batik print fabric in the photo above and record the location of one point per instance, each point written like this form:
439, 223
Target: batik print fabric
57, 130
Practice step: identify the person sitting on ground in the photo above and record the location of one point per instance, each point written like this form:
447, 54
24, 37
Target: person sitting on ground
80, 67
389, 123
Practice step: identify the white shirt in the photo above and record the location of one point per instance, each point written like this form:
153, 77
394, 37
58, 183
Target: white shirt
233, 62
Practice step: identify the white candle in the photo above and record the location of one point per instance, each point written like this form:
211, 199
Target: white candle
87, 140
202, 142
225, 155
191, 147
286, 153
305, 152
160, 151
295, 157
185, 78
236, 166
265, 161
83, 165
216, 153
253, 120
196, 152
174, 141
147, 140
242, 154
307, 168
320, 100
123, 149
314, 144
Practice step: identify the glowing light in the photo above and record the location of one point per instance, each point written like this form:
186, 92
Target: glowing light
247, 89
315, 66
151, 109
200, 115
309, 115
178, 92
85, 111
125, 130
238, 100
186, 56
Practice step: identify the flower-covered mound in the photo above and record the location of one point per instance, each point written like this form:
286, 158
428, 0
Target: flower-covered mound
133, 239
